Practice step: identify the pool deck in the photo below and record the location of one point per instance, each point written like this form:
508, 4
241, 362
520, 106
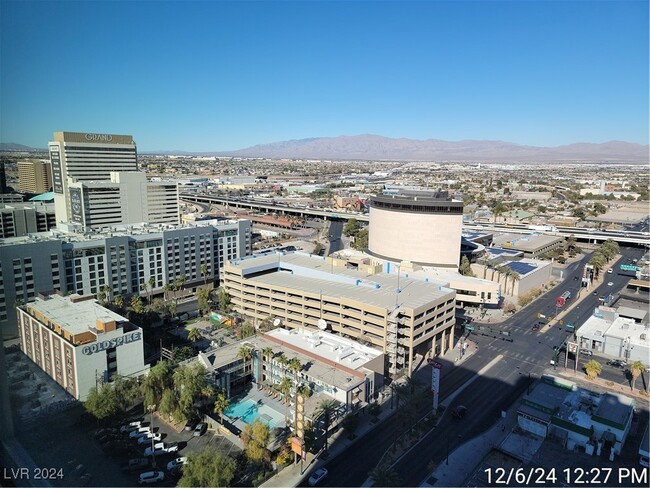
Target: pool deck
260, 397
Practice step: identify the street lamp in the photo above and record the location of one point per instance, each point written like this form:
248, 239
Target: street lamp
153, 454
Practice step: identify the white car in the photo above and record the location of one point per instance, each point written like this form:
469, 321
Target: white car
317, 477
148, 436
151, 477
611, 283
132, 426
158, 448
140, 431
179, 461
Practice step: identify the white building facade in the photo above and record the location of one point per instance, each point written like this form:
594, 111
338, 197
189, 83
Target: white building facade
79, 343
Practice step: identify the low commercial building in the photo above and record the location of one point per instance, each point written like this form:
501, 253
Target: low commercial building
401, 316
331, 366
532, 245
530, 274
79, 343
598, 423
605, 331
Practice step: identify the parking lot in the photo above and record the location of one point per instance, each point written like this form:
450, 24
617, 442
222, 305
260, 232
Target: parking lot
98, 456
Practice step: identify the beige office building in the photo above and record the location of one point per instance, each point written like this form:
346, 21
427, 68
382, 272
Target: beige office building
34, 176
402, 317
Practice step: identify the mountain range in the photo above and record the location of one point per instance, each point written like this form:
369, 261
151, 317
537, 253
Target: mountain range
374, 147
370, 146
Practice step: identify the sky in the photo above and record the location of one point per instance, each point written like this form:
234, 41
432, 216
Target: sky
219, 76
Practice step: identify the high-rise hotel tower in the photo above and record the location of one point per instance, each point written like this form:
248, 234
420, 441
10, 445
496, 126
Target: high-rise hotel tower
86, 157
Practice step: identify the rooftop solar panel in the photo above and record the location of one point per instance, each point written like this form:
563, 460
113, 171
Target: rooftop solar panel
521, 268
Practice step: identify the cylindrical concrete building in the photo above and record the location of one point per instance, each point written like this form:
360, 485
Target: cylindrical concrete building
417, 226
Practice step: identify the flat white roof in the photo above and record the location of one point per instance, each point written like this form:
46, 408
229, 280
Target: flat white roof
75, 317
312, 274
328, 346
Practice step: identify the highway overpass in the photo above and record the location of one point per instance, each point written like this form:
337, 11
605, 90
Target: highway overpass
622, 237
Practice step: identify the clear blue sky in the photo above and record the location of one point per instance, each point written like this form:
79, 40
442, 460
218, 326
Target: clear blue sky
213, 75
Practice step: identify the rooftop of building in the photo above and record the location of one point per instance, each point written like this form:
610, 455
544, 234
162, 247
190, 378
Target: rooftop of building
615, 407
524, 242
326, 357
73, 233
576, 405
74, 313
312, 274
523, 267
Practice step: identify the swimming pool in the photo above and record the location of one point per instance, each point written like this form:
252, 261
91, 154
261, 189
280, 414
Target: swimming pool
249, 410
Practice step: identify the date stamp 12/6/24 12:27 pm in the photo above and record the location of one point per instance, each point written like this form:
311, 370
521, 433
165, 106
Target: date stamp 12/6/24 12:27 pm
567, 476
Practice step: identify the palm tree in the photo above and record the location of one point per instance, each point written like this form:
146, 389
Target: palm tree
221, 404
384, 475
514, 276
295, 366
636, 368
268, 353
593, 369
152, 284
282, 361
412, 383
325, 409
245, 352
194, 335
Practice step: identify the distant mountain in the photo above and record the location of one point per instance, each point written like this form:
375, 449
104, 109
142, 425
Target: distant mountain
10, 146
370, 146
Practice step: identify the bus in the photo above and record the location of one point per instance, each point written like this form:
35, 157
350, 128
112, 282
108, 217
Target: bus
563, 298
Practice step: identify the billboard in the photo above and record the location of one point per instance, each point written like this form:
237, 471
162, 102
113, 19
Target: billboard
76, 205
57, 174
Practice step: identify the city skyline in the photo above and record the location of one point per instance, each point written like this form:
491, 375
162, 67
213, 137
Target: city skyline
221, 76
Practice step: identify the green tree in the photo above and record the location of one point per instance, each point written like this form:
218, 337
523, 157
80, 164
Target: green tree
268, 353
127, 392
514, 277
194, 335
102, 402
326, 409
593, 368
295, 366
191, 386
136, 304
221, 404
255, 438
169, 404
361, 240
351, 227
119, 301
151, 285
465, 267
156, 382
208, 467
204, 300
636, 368
223, 300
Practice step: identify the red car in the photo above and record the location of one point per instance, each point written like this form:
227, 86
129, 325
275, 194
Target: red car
536, 327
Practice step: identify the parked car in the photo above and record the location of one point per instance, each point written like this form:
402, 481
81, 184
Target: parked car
173, 447
131, 426
176, 463
535, 326
136, 463
317, 476
140, 431
200, 429
147, 437
610, 270
611, 283
151, 477
587, 352
157, 449
617, 363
